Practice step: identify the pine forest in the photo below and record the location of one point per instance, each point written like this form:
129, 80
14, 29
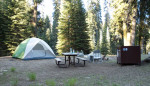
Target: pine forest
95, 24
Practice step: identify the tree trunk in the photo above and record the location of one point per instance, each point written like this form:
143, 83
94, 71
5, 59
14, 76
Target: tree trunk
126, 26
129, 29
142, 44
145, 48
35, 19
134, 15
125, 35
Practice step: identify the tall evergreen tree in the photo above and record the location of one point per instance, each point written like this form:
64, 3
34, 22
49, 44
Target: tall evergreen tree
125, 19
47, 30
94, 23
17, 27
119, 16
106, 28
72, 28
53, 35
20, 23
105, 47
143, 22
47, 22
4, 27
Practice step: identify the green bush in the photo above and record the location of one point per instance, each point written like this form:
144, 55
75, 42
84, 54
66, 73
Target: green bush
50, 83
32, 76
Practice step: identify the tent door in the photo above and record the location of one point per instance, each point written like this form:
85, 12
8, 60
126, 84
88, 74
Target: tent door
38, 51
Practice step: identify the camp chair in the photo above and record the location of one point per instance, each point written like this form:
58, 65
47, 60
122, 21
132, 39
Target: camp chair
96, 56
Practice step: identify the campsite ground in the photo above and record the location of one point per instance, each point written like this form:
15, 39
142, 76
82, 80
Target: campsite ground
108, 73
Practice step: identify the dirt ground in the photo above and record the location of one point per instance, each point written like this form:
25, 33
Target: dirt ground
106, 73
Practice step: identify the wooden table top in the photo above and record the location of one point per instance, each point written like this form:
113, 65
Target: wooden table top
70, 54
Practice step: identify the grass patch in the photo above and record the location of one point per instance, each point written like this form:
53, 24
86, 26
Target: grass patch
12, 69
14, 82
3, 78
115, 84
71, 82
32, 76
50, 83
93, 80
4, 73
35, 84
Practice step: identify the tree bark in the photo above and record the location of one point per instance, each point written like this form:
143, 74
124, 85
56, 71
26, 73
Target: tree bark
134, 16
129, 29
142, 44
125, 34
35, 19
126, 24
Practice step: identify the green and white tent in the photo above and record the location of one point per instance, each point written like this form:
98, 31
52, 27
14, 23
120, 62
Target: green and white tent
33, 48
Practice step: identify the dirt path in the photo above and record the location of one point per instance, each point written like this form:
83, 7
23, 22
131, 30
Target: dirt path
106, 73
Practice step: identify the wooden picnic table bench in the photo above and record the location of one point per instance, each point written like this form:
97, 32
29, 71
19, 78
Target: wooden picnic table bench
81, 58
58, 60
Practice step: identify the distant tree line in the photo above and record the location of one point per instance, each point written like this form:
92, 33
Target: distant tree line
19, 21
75, 27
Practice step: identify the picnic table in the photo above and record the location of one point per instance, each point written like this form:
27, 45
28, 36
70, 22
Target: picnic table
70, 55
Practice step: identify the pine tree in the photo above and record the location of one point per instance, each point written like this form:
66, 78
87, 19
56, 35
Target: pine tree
79, 39
53, 35
117, 24
143, 27
125, 17
124, 22
4, 27
17, 27
47, 30
72, 28
94, 23
105, 46
20, 23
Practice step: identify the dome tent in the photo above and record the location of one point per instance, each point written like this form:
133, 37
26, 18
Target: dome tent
33, 48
